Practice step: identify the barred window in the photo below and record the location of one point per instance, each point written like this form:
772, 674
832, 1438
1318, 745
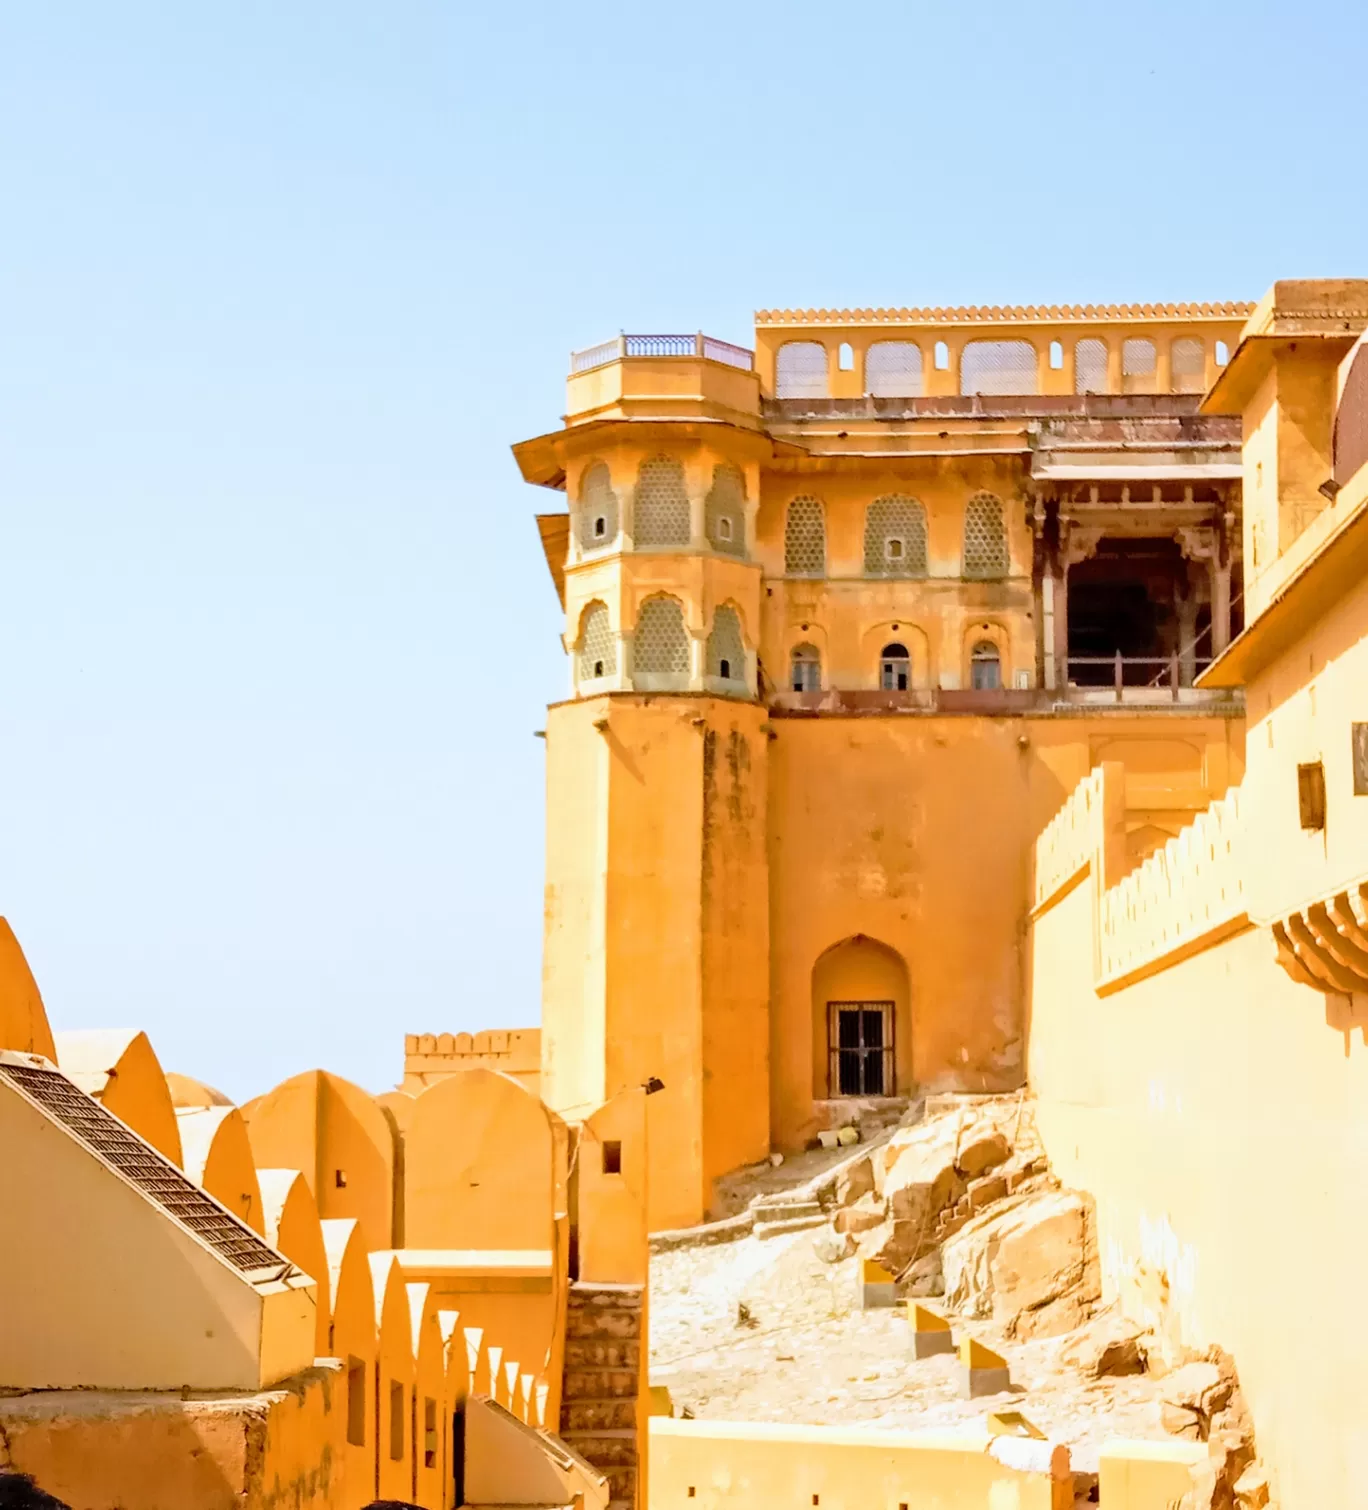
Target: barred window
1090, 366
895, 538
805, 538
999, 367
1189, 365
985, 537
725, 511
985, 667
806, 668
662, 505
598, 649
596, 513
1137, 365
893, 369
895, 668
726, 652
800, 370
661, 644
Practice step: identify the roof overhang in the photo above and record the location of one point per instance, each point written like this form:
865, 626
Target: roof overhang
1336, 568
1074, 470
554, 530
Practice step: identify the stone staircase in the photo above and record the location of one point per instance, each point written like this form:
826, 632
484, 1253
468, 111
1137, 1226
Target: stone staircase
775, 1215
599, 1398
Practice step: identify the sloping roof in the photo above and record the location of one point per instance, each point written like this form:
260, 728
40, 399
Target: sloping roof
555, 538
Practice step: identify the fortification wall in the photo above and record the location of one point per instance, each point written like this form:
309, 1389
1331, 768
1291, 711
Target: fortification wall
430, 1057
1218, 1117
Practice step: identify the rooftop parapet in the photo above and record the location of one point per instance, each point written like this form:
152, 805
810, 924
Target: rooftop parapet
663, 377
1034, 349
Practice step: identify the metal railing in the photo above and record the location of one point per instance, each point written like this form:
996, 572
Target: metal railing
1168, 675
695, 345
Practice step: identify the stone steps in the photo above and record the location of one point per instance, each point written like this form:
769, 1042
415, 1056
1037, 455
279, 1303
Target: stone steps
789, 1224
601, 1384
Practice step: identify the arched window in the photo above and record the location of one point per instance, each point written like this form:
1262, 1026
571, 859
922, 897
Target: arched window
895, 537
1189, 365
985, 537
725, 511
999, 367
1137, 365
660, 647
895, 668
800, 370
893, 369
598, 649
661, 517
726, 651
806, 666
1090, 366
985, 667
805, 538
596, 513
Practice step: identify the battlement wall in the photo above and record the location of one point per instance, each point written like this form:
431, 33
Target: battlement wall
429, 1057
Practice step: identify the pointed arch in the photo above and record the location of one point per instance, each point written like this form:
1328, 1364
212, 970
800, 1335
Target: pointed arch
726, 648
596, 655
725, 510
596, 510
800, 370
660, 649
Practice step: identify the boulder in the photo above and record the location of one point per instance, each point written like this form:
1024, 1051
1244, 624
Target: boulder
924, 1278
982, 1151
1251, 1488
865, 1214
1030, 1263
985, 1190
1108, 1347
831, 1247
892, 1243
854, 1181
1198, 1386
922, 1179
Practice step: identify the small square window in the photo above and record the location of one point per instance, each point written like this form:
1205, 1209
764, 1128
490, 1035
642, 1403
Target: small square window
724, 530
942, 357
1056, 355
340, 1178
598, 668
724, 669
600, 527
893, 548
612, 1157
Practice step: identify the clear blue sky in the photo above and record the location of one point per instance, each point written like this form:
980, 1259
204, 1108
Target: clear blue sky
279, 285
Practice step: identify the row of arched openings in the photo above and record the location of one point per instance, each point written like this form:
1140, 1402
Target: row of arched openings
660, 643
894, 369
895, 537
895, 667
660, 508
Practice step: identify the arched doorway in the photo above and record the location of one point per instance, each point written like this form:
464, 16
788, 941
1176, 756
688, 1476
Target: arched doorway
861, 1021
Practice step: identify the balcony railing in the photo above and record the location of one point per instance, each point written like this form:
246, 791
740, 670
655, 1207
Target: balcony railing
696, 345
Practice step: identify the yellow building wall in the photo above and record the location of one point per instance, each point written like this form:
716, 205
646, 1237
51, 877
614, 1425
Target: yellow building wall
916, 833
698, 1465
157, 1452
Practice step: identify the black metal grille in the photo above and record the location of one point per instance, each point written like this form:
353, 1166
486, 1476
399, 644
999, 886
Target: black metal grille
144, 1167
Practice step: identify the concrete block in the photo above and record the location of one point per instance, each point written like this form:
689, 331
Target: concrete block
930, 1332
981, 1371
877, 1286
1011, 1423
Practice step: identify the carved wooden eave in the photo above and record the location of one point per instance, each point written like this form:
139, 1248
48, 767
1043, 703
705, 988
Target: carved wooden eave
1326, 945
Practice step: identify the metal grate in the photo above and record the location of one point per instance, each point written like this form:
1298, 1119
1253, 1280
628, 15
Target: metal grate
895, 538
596, 515
1137, 365
985, 537
143, 1167
1189, 365
999, 367
893, 369
805, 538
725, 511
1090, 366
598, 649
860, 1048
985, 667
726, 651
661, 644
800, 370
662, 505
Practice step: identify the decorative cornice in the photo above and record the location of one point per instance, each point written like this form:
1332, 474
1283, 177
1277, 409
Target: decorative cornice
1003, 314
